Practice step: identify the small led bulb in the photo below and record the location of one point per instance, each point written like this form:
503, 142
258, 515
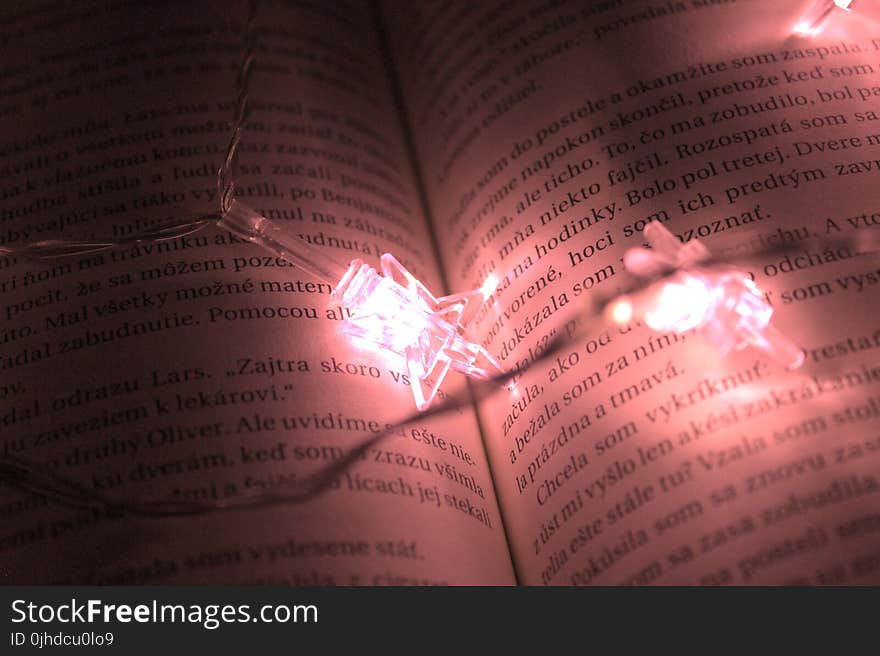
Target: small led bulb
812, 21
859, 6
396, 312
722, 301
392, 313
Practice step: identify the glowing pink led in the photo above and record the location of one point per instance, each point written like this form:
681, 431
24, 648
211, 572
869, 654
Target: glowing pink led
390, 314
396, 312
812, 22
722, 301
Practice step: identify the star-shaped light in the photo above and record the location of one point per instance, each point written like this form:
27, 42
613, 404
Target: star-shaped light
719, 299
395, 312
390, 313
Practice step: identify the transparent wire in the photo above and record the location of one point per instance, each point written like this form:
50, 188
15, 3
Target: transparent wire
251, 226
51, 249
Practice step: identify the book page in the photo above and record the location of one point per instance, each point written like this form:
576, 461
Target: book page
205, 367
549, 134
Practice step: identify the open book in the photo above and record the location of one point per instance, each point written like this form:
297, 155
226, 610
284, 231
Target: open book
524, 143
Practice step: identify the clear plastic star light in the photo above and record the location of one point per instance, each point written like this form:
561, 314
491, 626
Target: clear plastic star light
389, 312
395, 311
721, 300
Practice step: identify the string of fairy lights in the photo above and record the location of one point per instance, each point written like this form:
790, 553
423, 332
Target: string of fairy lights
675, 287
